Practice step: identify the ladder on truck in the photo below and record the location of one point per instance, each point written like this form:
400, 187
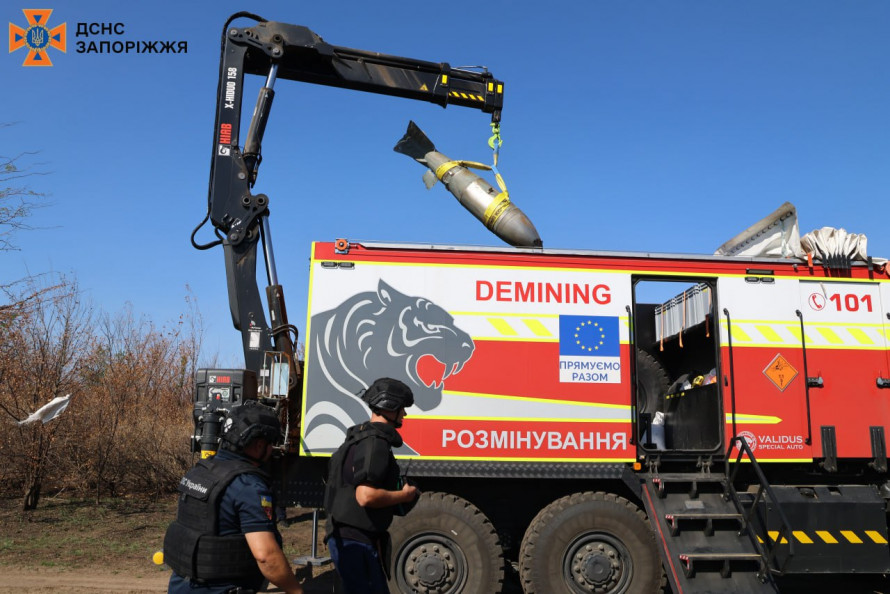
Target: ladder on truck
708, 536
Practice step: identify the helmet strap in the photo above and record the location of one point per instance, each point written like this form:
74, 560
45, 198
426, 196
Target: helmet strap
394, 422
250, 447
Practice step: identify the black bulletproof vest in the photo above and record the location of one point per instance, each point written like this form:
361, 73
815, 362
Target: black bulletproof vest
374, 463
192, 545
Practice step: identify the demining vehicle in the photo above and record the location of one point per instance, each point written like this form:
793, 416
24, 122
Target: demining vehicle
590, 421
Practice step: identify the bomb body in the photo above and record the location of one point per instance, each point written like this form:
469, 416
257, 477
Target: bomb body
493, 208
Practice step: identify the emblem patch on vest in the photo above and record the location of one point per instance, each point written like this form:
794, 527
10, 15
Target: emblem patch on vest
267, 505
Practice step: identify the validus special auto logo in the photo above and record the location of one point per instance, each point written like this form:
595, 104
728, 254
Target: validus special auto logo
38, 37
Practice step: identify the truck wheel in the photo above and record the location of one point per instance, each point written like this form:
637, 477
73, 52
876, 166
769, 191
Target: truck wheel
445, 545
652, 383
590, 542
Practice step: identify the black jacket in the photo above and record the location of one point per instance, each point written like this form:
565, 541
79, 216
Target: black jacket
193, 547
372, 462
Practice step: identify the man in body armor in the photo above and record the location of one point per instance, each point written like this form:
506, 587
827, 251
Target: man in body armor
224, 539
364, 490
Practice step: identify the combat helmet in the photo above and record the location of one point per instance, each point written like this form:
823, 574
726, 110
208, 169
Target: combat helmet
388, 394
249, 421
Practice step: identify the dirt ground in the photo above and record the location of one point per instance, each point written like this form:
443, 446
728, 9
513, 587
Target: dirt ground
69, 546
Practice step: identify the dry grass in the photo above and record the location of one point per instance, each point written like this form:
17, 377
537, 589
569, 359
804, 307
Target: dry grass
73, 533
116, 536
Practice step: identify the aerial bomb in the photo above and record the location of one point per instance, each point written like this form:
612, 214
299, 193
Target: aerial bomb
487, 204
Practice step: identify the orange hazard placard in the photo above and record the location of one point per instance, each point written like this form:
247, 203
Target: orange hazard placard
780, 372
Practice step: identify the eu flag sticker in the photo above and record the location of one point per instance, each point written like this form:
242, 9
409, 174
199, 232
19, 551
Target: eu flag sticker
589, 349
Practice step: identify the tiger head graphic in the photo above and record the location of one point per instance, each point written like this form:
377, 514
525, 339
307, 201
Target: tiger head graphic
382, 333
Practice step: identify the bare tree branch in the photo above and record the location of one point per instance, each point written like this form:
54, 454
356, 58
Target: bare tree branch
18, 201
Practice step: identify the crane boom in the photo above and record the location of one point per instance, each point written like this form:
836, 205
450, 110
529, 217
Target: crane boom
282, 51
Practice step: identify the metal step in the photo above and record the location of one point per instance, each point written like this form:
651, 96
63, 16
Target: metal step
735, 521
703, 537
667, 484
723, 563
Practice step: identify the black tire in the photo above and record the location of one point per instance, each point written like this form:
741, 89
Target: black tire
590, 542
445, 545
652, 383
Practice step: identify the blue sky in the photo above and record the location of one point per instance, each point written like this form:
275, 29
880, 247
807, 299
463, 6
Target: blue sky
663, 126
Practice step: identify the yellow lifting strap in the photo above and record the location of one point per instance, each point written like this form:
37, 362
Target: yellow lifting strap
495, 143
494, 211
444, 168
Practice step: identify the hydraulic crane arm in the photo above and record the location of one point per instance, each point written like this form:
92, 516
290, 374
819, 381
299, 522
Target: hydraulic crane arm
304, 56
282, 51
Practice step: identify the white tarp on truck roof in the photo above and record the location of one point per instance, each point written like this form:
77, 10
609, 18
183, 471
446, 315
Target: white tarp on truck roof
834, 246
778, 236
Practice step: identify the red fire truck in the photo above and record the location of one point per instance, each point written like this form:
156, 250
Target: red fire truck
585, 407
585, 422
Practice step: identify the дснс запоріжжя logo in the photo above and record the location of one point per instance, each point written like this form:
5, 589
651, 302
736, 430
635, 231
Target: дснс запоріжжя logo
38, 38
